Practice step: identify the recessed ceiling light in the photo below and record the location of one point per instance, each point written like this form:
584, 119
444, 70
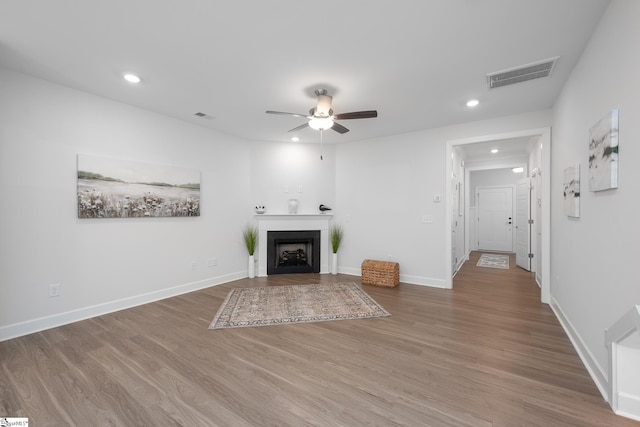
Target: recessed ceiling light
473, 103
131, 78
518, 170
295, 139
494, 151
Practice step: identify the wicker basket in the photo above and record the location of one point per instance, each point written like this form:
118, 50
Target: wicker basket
380, 273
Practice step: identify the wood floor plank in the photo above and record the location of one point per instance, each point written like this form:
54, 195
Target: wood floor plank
486, 353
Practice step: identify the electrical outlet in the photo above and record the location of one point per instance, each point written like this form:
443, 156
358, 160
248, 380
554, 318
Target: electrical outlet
194, 265
54, 290
212, 262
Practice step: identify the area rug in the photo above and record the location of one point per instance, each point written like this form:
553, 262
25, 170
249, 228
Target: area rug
494, 261
279, 305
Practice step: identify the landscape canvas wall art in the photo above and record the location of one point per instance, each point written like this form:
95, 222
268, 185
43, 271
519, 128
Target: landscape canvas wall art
571, 183
113, 188
603, 153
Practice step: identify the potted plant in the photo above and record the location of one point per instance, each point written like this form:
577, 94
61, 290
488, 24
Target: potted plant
335, 235
250, 236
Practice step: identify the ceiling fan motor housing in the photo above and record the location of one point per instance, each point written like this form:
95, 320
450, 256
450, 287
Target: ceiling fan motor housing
323, 109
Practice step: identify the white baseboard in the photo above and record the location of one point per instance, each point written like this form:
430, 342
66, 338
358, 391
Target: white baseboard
404, 278
349, 271
423, 281
598, 375
459, 266
628, 406
36, 325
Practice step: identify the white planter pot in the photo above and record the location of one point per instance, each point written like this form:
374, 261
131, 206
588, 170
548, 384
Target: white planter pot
334, 263
252, 267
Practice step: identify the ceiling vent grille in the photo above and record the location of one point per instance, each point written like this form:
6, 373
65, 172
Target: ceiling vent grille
536, 70
203, 115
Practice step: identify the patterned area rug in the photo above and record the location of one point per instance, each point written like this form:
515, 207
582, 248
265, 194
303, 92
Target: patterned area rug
494, 261
277, 305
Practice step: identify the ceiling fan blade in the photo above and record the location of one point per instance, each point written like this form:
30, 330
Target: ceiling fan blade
302, 126
356, 115
339, 128
282, 113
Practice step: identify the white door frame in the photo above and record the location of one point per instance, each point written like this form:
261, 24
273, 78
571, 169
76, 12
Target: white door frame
545, 170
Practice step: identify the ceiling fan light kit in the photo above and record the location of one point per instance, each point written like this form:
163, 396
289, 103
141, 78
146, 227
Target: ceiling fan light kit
319, 123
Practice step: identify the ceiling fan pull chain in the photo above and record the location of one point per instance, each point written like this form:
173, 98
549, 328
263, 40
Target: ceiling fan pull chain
321, 143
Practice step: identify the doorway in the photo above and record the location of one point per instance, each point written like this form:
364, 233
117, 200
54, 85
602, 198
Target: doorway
543, 135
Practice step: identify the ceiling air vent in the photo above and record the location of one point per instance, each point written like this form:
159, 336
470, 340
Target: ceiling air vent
203, 115
521, 74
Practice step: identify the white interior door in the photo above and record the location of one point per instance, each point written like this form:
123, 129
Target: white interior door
495, 218
523, 226
536, 231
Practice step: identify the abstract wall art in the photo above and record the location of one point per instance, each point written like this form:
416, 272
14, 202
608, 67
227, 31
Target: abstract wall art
603, 153
571, 182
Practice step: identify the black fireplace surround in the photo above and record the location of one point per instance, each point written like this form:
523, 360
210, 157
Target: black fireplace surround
293, 252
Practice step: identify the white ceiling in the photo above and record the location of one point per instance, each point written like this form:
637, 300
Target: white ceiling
508, 149
416, 61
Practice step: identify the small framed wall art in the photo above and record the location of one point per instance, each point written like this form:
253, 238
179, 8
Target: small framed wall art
571, 182
603, 153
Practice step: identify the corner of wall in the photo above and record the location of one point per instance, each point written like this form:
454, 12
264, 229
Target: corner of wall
595, 370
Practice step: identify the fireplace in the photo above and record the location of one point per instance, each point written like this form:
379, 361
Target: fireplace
293, 251
291, 222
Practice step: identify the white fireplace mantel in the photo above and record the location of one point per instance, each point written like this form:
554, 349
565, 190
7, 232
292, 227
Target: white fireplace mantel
293, 222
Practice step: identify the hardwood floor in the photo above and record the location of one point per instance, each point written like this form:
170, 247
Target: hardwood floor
486, 353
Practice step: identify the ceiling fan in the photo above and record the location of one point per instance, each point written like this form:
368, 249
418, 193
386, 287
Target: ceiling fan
321, 116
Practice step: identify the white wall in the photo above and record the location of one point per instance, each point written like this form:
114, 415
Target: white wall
279, 171
492, 178
594, 279
103, 265
385, 186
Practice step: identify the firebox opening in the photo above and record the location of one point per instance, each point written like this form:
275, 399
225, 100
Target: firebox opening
293, 252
